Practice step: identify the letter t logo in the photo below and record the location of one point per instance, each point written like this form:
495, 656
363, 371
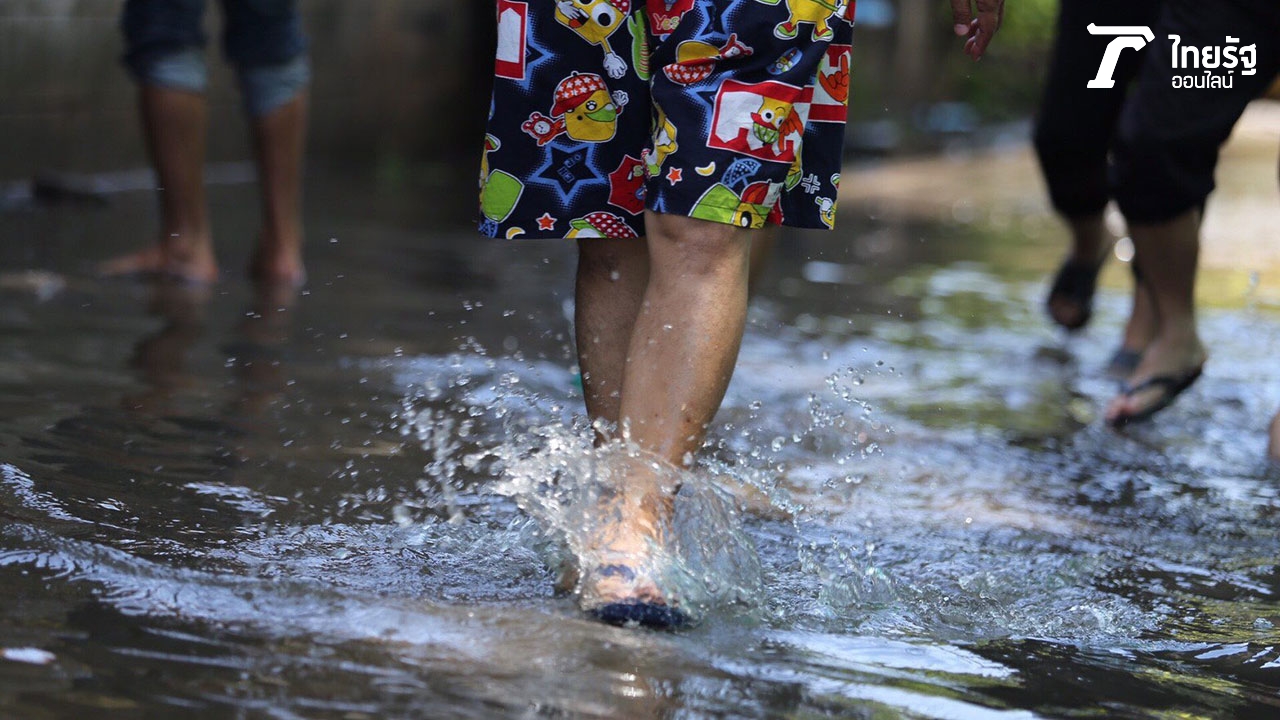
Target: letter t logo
1133, 37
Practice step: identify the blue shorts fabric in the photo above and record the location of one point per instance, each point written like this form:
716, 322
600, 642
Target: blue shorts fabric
262, 38
731, 111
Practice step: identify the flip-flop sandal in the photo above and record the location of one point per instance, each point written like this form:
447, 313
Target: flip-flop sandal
1123, 362
1171, 386
1076, 281
652, 614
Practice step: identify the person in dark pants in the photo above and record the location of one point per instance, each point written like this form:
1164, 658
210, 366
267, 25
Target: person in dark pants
1074, 131
1186, 99
1162, 135
164, 51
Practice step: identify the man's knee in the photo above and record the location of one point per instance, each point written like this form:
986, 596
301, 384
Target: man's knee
697, 247
184, 70
610, 258
268, 87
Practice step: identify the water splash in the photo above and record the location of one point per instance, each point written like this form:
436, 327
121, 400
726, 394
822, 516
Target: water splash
704, 559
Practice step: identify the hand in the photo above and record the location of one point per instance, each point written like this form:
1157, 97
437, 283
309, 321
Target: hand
615, 66
836, 83
977, 31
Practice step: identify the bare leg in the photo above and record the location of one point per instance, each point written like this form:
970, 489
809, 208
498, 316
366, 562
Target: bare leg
761, 250
1090, 243
1273, 448
1168, 252
687, 335
279, 143
681, 356
1090, 238
611, 281
1139, 330
1144, 320
175, 123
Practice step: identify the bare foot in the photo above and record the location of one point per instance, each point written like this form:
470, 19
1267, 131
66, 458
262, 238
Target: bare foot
619, 565
193, 263
1171, 355
622, 553
1273, 448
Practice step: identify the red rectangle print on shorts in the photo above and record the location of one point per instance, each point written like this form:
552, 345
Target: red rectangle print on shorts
764, 120
513, 33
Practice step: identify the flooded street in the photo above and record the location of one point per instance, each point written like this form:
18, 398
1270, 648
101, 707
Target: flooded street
220, 505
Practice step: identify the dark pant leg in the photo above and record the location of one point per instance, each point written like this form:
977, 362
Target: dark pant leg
264, 41
155, 29
262, 32
1168, 138
1075, 124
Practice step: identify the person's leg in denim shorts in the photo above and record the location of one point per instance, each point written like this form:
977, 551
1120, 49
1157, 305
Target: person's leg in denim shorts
165, 53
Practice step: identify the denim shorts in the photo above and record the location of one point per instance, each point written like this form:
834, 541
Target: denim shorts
263, 39
730, 111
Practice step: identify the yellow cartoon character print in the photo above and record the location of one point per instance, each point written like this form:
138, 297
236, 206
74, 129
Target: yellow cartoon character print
818, 13
774, 122
584, 110
595, 21
752, 209
664, 142
826, 211
600, 225
499, 190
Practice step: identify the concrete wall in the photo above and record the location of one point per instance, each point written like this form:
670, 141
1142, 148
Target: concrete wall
392, 78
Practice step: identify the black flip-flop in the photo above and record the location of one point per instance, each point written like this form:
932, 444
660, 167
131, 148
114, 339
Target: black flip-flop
1171, 386
1076, 281
654, 616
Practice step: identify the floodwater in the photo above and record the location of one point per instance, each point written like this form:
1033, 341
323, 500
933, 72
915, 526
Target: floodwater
340, 503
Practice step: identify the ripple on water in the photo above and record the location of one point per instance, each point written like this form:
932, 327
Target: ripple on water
931, 534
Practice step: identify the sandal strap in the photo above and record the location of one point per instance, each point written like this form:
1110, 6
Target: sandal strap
1171, 384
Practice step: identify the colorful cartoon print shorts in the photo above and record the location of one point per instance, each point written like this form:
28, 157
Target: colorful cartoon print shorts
730, 111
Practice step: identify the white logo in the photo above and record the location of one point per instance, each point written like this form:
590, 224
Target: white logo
1218, 63
1128, 37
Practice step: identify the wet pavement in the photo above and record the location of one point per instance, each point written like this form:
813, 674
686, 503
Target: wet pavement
216, 504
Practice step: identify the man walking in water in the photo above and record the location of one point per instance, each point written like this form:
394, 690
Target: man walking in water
164, 51
665, 136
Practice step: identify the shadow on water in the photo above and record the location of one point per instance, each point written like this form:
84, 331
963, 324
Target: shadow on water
218, 503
